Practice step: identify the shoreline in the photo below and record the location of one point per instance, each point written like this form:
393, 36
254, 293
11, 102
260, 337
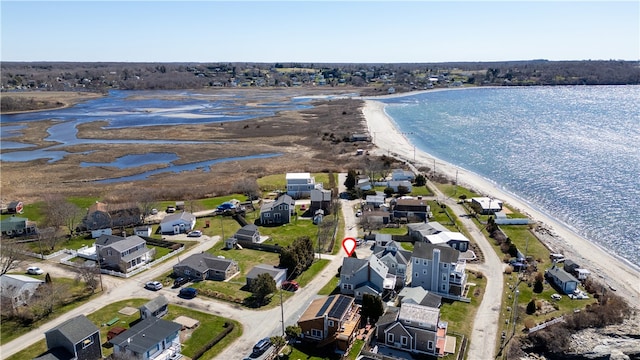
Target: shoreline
610, 268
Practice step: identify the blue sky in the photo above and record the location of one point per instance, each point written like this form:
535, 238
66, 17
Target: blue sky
318, 32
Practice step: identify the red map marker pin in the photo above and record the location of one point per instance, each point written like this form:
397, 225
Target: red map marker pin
349, 245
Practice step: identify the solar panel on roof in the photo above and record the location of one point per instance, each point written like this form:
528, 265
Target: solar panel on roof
340, 307
325, 305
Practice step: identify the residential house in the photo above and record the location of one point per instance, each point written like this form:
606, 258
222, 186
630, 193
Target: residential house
299, 185
76, 338
279, 275
143, 231
150, 338
411, 209
278, 212
375, 200
363, 182
376, 218
204, 266
419, 231
17, 226
397, 260
123, 253
157, 307
486, 205
17, 290
331, 320
320, 200
418, 295
438, 269
103, 216
401, 175
413, 328
359, 137
249, 233
564, 281
364, 276
396, 184
178, 223
455, 240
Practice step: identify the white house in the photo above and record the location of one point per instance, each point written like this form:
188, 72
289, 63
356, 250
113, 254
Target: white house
400, 175
300, 184
486, 205
17, 290
177, 223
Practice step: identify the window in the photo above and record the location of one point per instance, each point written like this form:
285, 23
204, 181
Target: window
417, 261
445, 265
444, 287
316, 333
389, 337
403, 340
87, 342
347, 286
267, 215
187, 272
424, 262
430, 345
424, 271
415, 275
331, 323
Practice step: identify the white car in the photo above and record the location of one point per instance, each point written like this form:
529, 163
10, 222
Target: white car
34, 270
153, 285
359, 213
195, 233
556, 296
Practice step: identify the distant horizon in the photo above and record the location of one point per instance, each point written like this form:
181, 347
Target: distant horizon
322, 32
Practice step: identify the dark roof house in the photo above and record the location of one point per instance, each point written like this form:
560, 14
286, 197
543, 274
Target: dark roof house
149, 339
78, 337
205, 266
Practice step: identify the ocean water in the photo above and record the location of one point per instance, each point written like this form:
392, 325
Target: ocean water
571, 152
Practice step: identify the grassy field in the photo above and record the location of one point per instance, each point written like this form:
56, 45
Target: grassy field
278, 182
209, 326
457, 313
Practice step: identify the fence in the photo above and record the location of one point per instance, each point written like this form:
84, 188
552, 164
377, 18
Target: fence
45, 257
544, 325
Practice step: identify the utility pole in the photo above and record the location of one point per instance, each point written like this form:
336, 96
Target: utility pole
282, 311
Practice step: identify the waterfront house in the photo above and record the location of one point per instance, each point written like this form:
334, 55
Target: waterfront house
397, 260
400, 175
486, 205
178, 223
278, 212
204, 266
562, 280
332, 320
149, 339
76, 338
438, 269
123, 253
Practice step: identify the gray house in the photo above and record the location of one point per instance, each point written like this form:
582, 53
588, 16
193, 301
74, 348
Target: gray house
78, 338
17, 226
123, 253
248, 233
157, 307
364, 276
439, 269
151, 338
397, 260
564, 281
205, 266
279, 275
320, 200
17, 290
278, 212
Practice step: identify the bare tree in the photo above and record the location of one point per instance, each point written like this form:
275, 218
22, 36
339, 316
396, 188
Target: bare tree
146, 201
90, 275
49, 238
47, 298
248, 187
325, 233
61, 213
11, 256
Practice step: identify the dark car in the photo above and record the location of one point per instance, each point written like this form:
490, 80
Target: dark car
180, 281
261, 347
188, 293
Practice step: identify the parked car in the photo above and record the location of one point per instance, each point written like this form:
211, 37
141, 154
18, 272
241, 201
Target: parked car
180, 281
188, 293
195, 233
556, 296
153, 285
34, 270
359, 213
154, 211
171, 209
290, 285
260, 347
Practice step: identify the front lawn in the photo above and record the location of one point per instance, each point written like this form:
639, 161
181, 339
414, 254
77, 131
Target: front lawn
210, 326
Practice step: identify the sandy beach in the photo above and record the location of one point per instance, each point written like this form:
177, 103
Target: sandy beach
606, 267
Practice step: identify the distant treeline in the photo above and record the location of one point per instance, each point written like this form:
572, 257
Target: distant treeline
400, 77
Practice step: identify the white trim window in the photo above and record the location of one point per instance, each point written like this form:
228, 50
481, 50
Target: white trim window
403, 340
316, 333
390, 338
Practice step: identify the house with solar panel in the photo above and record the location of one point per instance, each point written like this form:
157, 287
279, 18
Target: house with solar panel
331, 321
